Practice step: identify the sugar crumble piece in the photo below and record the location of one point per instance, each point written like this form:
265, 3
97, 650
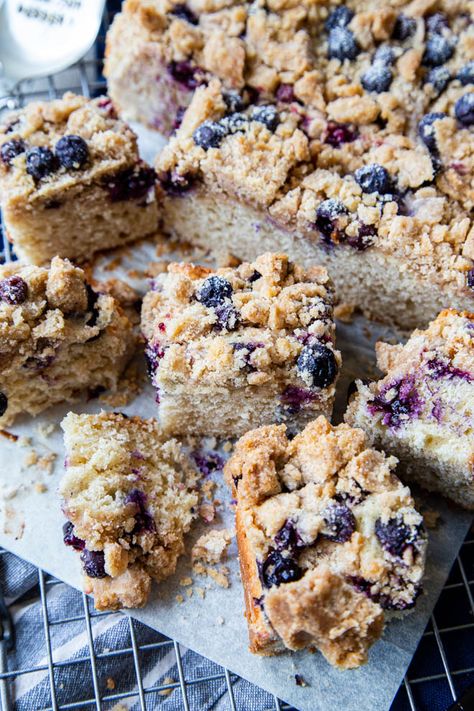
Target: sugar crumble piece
212, 546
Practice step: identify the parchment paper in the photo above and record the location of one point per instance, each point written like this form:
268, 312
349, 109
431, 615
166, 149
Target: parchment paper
31, 526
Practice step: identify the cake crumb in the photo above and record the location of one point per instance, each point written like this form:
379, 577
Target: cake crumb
344, 312
189, 592
166, 681
31, 458
46, 462
45, 429
110, 683
207, 512
221, 576
227, 447
212, 546
24, 442
184, 582
179, 598
40, 488
200, 592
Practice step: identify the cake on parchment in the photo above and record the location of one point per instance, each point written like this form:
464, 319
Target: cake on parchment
60, 338
328, 539
71, 180
422, 409
129, 496
240, 347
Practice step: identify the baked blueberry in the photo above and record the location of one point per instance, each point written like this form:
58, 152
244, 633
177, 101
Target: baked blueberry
3, 403
40, 162
285, 93
437, 51
404, 28
318, 361
186, 73
395, 536
131, 184
436, 23
377, 77
93, 563
72, 152
426, 131
277, 569
70, 539
342, 44
183, 12
227, 318
288, 538
209, 134
11, 149
439, 78
398, 401
234, 123
340, 522
339, 133
464, 109
13, 290
233, 101
466, 74
340, 17
470, 278
384, 54
374, 178
268, 115
327, 218
214, 291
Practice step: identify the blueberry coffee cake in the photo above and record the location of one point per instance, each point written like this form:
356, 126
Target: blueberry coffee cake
71, 180
342, 136
59, 338
240, 347
389, 217
128, 494
328, 540
422, 410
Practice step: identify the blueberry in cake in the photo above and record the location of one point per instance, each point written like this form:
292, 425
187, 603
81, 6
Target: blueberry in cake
240, 347
60, 337
129, 496
328, 540
71, 180
422, 409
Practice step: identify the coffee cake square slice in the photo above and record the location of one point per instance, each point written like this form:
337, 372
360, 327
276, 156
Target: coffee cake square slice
328, 538
129, 496
60, 338
71, 180
240, 347
422, 410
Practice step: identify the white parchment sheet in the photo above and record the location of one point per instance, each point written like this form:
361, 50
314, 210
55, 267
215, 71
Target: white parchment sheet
31, 526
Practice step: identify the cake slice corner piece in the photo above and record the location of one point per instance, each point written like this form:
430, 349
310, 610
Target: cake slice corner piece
328, 539
422, 409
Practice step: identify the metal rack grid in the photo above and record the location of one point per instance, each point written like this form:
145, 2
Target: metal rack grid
441, 669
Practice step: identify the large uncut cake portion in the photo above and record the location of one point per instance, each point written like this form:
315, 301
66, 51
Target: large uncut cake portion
71, 180
389, 216
422, 409
129, 496
328, 538
60, 338
241, 347
365, 61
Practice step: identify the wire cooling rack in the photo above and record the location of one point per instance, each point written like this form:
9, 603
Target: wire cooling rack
442, 668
